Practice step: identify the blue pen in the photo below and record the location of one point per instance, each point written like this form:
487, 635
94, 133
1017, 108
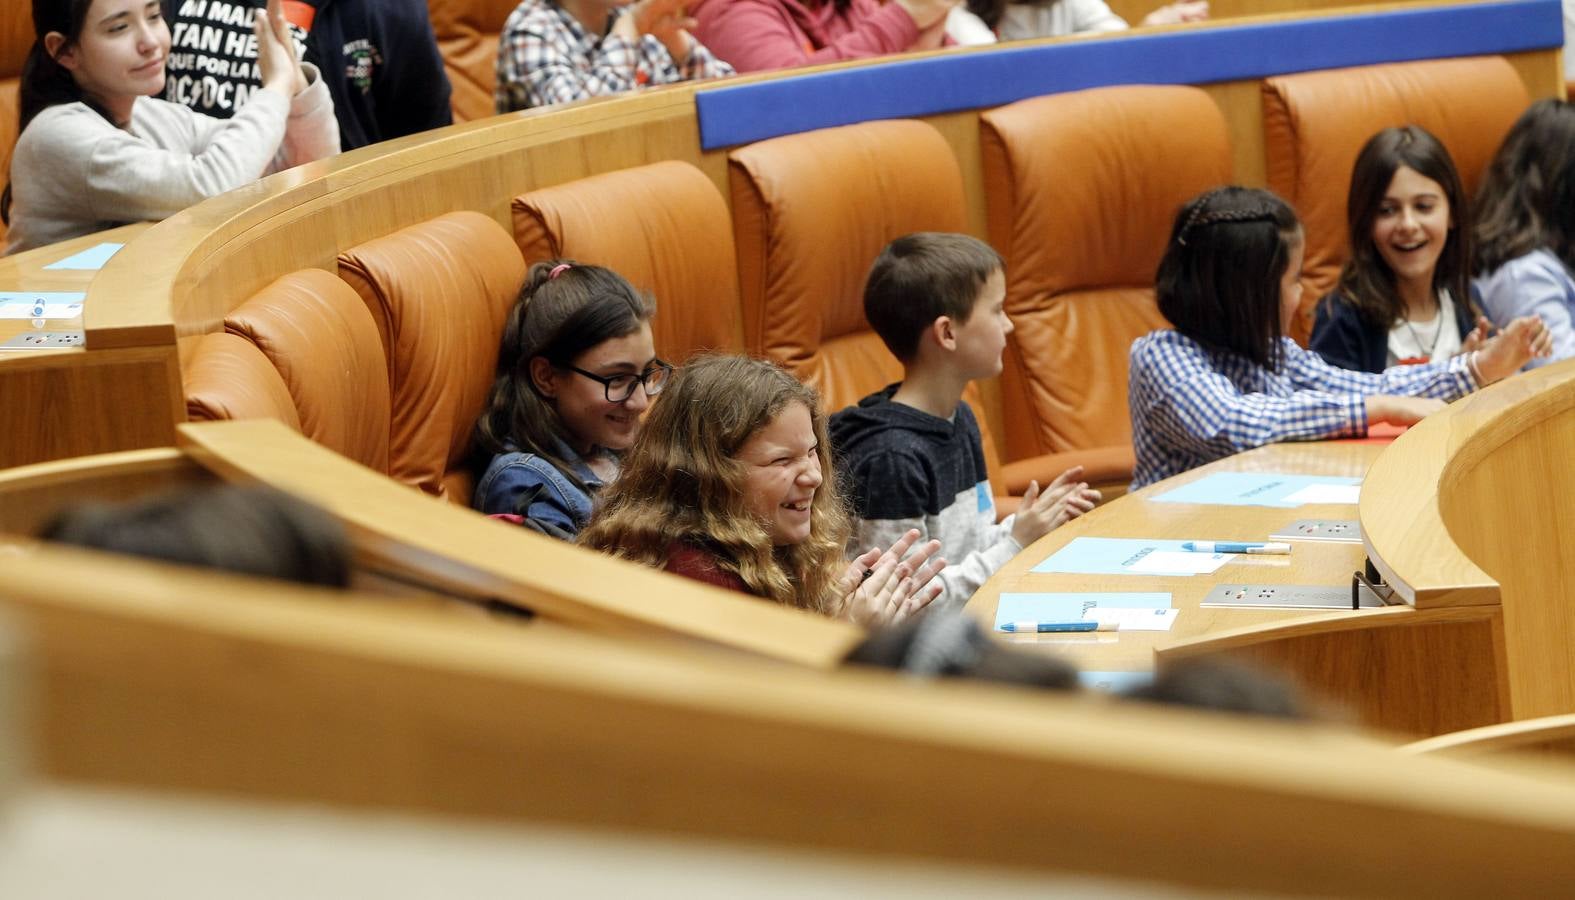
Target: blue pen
1235, 547
1049, 627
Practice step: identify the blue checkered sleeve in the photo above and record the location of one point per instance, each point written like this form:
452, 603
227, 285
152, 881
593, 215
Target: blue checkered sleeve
1191, 405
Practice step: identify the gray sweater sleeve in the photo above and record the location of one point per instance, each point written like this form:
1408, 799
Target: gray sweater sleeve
961, 577
182, 157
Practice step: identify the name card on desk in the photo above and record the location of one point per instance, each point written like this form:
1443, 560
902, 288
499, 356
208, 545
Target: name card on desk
1128, 556
40, 304
1264, 489
1130, 611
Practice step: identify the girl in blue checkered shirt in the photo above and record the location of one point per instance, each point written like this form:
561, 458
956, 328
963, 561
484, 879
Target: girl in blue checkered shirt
1227, 379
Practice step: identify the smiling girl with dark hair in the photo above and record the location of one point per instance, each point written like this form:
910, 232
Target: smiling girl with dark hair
1404, 293
1226, 378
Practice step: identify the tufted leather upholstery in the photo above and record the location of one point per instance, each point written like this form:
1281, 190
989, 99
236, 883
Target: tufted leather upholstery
324, 346
1315, 123
438, 293
467, 34
665, 228
810, 214
1081, 191
227, 377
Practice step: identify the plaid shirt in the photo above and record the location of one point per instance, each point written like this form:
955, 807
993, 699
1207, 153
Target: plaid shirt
545, 56
1191, 405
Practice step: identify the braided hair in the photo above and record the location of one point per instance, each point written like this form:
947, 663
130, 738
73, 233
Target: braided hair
1219, 280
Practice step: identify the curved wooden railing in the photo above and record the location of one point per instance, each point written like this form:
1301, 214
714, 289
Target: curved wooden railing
197, 681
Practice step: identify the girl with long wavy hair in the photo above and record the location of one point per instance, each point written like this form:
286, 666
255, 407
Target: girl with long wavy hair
725, 485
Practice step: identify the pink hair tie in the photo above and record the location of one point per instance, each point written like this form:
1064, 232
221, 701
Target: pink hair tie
558, 270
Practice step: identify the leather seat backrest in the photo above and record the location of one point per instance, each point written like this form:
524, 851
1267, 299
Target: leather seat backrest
16, 39
1081, 190
665, 227
467, 36
438, 293
226, 377
810, 214
1315, 123
324, 346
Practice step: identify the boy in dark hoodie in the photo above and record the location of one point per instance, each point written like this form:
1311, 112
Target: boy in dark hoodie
910, 456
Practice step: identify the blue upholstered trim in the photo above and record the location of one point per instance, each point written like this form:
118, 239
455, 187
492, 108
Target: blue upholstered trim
970, 80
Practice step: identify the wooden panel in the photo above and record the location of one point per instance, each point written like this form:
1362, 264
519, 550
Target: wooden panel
1549, 734
1400, 669
63, 405
30, 496
197, 681
460, 551
1504, 493
1402, 528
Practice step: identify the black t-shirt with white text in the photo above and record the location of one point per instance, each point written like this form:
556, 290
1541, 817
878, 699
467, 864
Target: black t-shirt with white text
378, 57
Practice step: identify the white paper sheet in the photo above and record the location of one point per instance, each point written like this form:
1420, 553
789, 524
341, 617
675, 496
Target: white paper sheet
1179, 562
1326, 493
1134, 619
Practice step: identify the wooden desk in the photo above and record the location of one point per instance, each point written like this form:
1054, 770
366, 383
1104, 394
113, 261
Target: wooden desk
27, 272
1427, 671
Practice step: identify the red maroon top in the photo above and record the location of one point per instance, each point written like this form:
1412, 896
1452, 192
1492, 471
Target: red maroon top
693, 561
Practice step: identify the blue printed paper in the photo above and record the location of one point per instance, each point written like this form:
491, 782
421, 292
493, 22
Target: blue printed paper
90, 260
1070, 607
1254, 489
1129, 556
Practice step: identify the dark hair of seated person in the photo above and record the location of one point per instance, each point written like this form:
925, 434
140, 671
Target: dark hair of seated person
950, 645
1224, 687
247, 530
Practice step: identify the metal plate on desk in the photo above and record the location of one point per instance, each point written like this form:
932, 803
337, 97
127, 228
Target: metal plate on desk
1343, 531
44, 340
1285, 596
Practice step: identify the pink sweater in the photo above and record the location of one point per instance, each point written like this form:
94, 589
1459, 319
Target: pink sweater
755, 35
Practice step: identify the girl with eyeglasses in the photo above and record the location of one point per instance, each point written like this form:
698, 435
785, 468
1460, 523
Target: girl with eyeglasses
576, 370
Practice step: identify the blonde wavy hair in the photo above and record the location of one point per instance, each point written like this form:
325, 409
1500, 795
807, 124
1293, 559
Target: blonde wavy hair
681, 482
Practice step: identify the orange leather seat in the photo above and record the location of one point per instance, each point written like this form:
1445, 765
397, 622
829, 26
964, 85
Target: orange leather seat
810, 214
16, 39
227, 377
1315, 123
438, 293
324, 348
1081, 191
467, 36
665, 227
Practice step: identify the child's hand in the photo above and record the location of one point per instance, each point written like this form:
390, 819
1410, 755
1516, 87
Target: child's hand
1521, 341
277, 64
664, 20
1478, 336
1400, 410
882, 587
1063, 500
926, 13
1194, 11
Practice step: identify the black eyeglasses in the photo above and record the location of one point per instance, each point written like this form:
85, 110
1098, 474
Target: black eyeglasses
618, 388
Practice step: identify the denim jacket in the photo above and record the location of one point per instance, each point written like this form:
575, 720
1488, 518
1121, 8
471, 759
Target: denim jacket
549, 496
